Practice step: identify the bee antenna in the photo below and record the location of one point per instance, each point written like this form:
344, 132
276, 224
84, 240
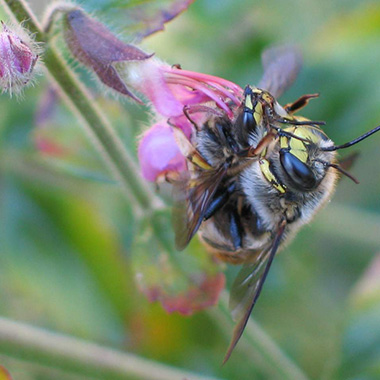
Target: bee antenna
341, 170
353, 142
344, 172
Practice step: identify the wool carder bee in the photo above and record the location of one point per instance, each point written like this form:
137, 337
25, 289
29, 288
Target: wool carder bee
255, 179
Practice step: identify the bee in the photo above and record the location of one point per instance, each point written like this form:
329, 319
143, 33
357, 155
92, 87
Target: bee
255, 179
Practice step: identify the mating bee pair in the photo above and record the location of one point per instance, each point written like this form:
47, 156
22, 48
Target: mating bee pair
255, 179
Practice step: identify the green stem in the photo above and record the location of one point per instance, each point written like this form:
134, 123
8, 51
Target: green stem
25, 342
123, 167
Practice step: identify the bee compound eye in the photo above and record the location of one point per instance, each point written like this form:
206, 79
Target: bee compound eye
249, 121
300, 175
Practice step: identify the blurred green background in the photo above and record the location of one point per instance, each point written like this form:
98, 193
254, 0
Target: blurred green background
65, 238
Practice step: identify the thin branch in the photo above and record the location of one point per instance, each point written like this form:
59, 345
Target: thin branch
25, 342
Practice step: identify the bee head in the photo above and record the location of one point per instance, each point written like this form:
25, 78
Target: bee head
256, 104
306, 154
302, 162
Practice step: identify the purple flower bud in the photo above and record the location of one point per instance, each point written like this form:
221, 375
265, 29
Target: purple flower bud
97, 48
18, 56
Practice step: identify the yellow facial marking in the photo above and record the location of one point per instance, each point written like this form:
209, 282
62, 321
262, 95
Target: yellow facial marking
256, 90
248, 103
306, 132
298, 147
258, 114
265, 169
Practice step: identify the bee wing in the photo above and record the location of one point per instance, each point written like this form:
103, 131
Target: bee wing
193, 198
346, 163
247, 287
281, 67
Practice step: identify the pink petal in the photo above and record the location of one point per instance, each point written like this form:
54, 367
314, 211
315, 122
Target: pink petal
158, 152
170, 88
148, 78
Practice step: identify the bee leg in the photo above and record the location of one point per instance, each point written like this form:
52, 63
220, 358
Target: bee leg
264, 142
219, 200
236, 229
299, 103
187, 110
186, 113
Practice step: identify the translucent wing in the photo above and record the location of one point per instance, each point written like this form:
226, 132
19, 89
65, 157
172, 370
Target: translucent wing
281, 67
348, 162
247, 287
193, 198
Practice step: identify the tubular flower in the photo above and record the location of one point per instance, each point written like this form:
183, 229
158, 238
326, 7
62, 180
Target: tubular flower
18, 56
170, 91
121, 66
161, 161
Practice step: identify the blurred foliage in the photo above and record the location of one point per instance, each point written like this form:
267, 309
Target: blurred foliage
66, 232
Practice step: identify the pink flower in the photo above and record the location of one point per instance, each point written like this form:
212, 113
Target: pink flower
17, 59
171, 90
159, 145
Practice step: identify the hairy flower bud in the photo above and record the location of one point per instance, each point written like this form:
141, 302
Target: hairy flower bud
18, 56
98, 49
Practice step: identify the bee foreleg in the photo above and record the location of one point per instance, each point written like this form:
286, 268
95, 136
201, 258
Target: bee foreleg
264, 143
187, 110
299, 103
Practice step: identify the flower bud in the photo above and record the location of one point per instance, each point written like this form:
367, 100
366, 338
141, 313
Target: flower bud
98, 49
18, 56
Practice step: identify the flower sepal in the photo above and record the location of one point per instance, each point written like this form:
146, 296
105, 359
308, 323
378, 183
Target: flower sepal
186, 285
